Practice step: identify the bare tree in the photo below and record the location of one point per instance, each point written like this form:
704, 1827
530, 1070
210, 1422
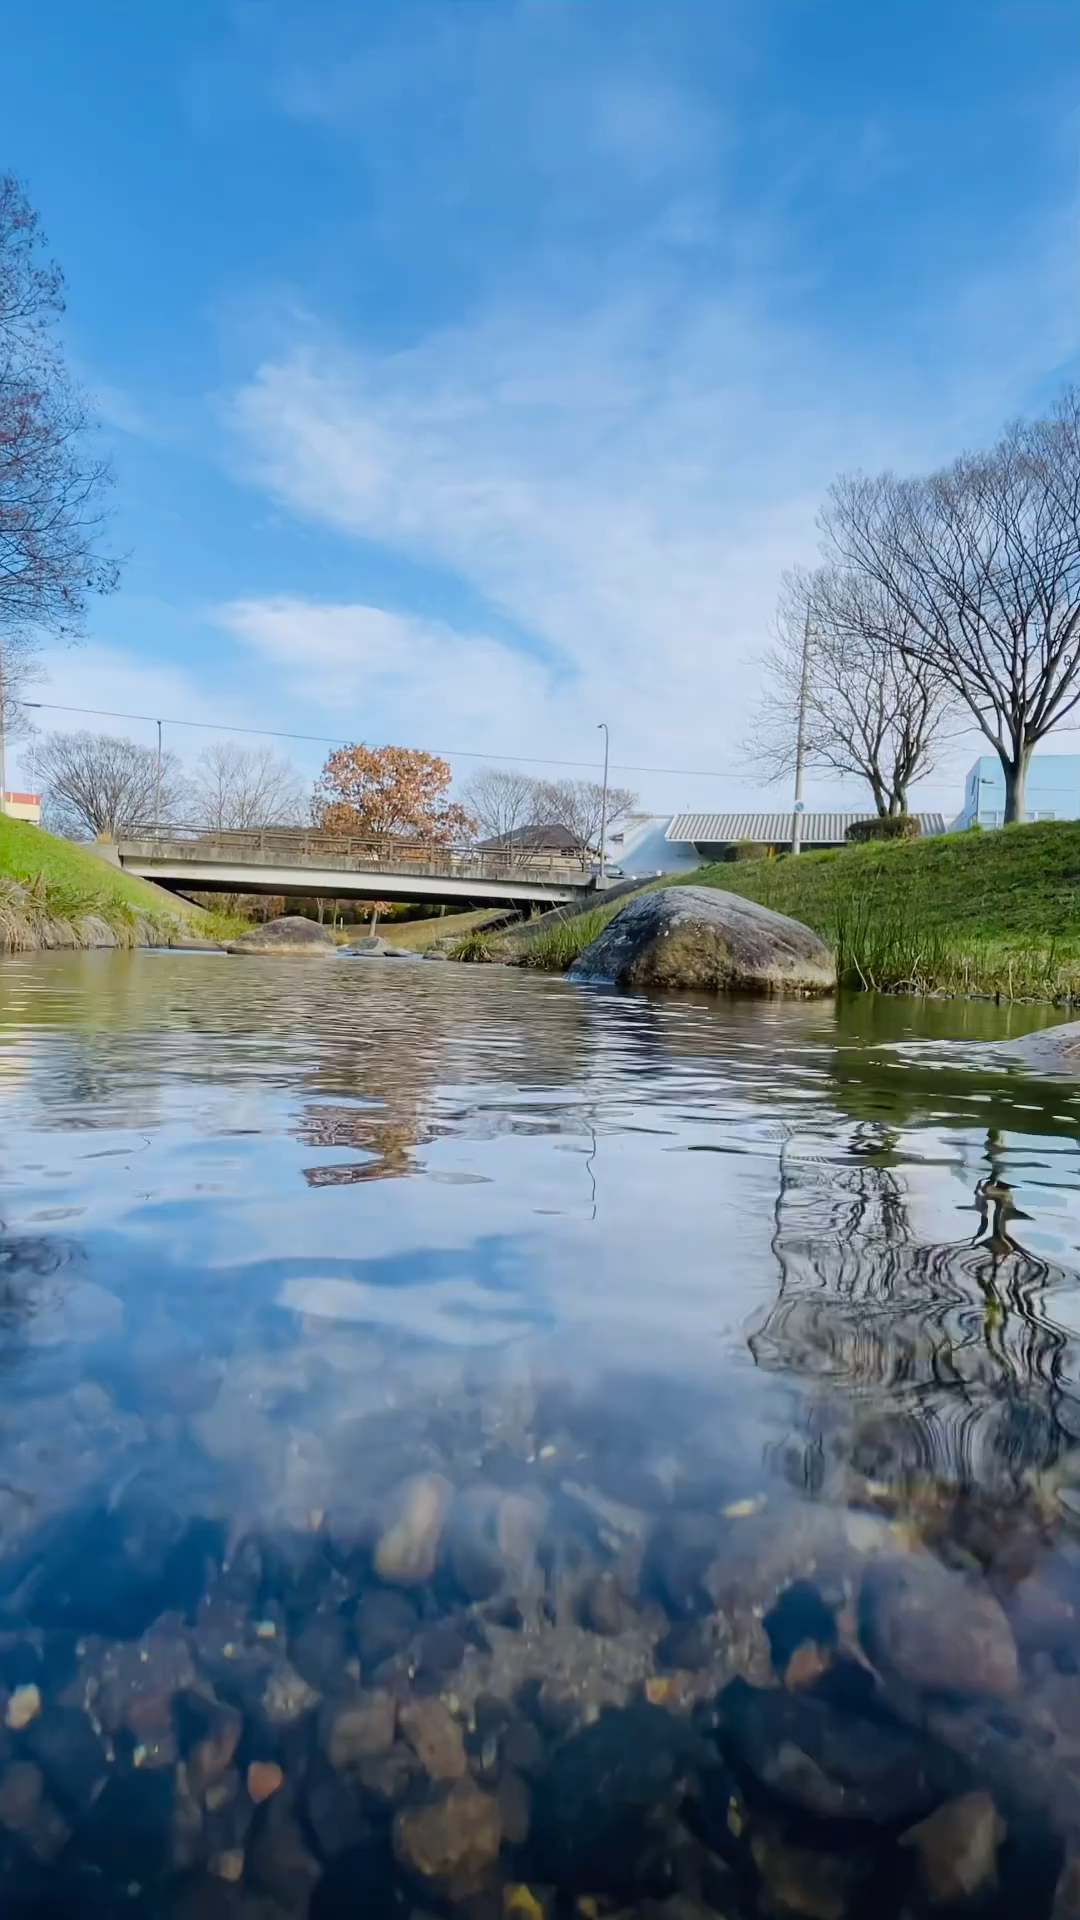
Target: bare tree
236, 787
869, 708
984, 560
52, 482
504, 803
578, 805
95, 784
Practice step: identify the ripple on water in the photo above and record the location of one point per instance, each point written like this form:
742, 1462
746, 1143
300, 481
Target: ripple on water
463, 1435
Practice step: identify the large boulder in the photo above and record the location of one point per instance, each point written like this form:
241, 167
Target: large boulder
701, 937
290, 934
1051, 1050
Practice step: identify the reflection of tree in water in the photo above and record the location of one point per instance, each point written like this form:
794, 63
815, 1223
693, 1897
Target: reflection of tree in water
422, 1068
944, 1354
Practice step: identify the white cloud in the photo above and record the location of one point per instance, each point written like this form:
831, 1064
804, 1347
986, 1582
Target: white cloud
403, 679
624, 489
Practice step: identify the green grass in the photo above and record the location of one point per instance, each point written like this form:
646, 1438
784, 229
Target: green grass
968, 913
556, 945
49, 886
418, 935
992, 913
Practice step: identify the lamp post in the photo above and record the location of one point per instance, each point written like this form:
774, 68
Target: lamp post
602, 727
800, 737
157, 785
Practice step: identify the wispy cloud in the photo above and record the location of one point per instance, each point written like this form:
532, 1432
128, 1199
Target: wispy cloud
623, 444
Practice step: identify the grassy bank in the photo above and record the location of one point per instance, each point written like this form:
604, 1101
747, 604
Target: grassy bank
968, 913
54, 894
977, 913
419, 935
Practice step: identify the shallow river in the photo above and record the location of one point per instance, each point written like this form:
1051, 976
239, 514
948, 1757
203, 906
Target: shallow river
469, 1443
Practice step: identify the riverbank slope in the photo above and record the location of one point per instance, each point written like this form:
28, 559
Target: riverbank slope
964, 913
970, 912
56, 894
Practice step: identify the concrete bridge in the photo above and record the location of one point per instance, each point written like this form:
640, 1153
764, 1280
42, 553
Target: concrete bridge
290, 860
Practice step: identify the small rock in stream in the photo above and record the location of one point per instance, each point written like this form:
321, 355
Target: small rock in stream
264, 1777
407, 1549
211, 1755
832, 1764
687, 1646
935, 1630
287, 1696
320, 1650
605, 1608
385, 1624
435, 1738
802, 1880
594, 1807
957, 1847
450, 1842
70, 1754
360, 1730
23, 1706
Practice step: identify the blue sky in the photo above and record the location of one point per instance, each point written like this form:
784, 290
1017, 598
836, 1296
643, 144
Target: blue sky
472, 368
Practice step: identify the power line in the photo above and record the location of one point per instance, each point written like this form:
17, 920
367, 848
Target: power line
447, 753
328, 740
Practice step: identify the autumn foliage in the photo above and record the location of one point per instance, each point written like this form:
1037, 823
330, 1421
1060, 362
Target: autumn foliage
396, 792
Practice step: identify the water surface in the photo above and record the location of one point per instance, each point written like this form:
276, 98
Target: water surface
277, 1236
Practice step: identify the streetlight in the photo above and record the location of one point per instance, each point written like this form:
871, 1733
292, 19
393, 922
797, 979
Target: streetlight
802, 744
602, 728
157, 785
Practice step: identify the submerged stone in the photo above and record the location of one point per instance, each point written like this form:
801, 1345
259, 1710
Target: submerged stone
385, 1624
435, 1738
834, 1765
936, 1630
360, 1730
803, 1880
452, 1841
408, 1547
592, 1806
957, 1847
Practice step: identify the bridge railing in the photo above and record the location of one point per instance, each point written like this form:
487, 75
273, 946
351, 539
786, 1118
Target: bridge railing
312, 846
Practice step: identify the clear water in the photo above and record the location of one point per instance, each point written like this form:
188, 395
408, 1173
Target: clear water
277, 1235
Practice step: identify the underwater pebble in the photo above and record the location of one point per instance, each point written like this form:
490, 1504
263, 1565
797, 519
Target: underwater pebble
264, 1777
23, 1706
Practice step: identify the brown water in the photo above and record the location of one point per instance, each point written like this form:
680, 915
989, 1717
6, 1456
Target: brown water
640, 1312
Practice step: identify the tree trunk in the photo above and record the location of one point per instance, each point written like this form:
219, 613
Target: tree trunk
1015, 779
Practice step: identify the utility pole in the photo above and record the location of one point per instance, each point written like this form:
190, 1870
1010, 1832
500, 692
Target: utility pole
800, 736
157, 786
602, 727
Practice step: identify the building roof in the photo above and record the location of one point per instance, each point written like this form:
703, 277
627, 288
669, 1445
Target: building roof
775, 829
539, 838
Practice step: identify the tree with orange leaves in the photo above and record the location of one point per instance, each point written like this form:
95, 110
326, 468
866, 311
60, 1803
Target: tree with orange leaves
392, 792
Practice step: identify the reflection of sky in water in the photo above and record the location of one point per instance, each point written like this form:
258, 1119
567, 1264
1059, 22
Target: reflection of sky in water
308, 1175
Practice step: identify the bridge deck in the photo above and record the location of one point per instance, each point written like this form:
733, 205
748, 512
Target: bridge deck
290, 861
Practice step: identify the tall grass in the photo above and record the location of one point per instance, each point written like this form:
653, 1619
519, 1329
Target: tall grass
885, 948
475, 947
41, 913
555, 946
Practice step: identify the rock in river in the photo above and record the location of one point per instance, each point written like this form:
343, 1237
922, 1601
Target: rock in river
933, 1629
452, 1841
830, 1764
406, 1551
289, 934
957, 1847
434, 1738
705, 938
